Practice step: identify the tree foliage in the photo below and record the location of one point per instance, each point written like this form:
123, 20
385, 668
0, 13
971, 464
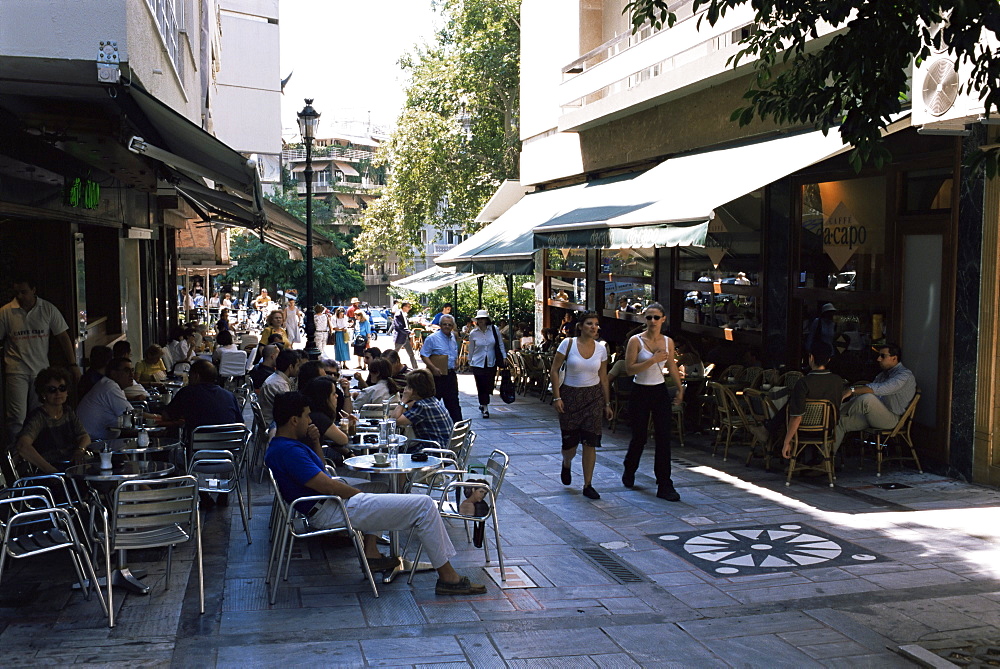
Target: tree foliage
859, 78
335, 280
457, 136
494, 299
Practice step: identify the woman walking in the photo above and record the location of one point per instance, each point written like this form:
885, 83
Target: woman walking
579, 399
486, 352
645, 356
339, 326
364, 329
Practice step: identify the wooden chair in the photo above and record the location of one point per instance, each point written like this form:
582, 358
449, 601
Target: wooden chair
789, 379
621, 393
760, 409
731, 416
462, 361
901, 432
817, 430
731, 372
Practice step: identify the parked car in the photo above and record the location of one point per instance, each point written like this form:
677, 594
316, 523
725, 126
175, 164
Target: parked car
379, 322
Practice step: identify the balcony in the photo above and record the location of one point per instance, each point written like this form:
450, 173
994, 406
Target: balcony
438, 249
336, 152
631, 72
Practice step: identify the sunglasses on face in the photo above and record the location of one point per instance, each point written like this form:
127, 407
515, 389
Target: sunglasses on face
653, 317
56, 389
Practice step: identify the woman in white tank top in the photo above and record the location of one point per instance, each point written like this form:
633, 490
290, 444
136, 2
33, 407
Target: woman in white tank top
583, 399
646, 355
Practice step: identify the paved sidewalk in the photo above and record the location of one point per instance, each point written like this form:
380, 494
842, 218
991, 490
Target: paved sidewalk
743, 572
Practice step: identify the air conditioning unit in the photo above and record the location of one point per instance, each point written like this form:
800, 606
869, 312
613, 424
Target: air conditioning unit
942, 101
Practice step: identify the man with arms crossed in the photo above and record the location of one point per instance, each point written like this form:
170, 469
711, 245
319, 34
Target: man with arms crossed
299, 472
444, 342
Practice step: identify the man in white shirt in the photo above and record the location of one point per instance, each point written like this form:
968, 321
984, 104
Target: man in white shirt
286, 368
26, 323
100, 408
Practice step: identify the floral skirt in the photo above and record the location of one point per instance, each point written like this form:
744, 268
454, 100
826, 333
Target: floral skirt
582, 417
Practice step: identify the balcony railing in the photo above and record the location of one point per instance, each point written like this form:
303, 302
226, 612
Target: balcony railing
438, 249
327, 152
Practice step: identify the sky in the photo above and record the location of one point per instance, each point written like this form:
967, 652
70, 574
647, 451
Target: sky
344, 53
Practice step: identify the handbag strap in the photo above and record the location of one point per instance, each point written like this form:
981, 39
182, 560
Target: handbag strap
496, 346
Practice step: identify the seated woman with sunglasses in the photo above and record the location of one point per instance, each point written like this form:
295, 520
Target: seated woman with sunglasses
52, 433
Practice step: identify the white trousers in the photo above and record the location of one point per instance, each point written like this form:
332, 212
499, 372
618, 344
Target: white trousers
373, 514
20, 397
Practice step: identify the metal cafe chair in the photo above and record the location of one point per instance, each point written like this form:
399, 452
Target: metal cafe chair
153, 513
30, 525
449, 506
217, 454
290, 524
900, 433
816, 430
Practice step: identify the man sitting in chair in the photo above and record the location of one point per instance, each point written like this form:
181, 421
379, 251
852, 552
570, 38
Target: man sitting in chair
421, 409
819, 384
203, 401
299, 472
878, 404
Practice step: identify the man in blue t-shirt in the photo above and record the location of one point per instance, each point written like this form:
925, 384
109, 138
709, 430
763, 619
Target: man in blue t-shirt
445, 310
299, 472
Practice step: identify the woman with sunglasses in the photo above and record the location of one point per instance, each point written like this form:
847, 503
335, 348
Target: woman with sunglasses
583, 400
52, 434
645, 356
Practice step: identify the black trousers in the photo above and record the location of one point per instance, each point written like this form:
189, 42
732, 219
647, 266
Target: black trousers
446, 390
648, 400
486, 381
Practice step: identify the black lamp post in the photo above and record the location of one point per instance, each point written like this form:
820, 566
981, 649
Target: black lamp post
308, 122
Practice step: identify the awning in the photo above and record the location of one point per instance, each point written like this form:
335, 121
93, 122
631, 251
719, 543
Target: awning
505, 197
507, 245
671, 204
346, 168
348, 200
281, 228
432, 279
188, 148
317, 165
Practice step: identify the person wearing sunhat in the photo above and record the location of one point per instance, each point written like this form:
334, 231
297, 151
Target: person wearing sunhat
486, 353
822, 328
355, 305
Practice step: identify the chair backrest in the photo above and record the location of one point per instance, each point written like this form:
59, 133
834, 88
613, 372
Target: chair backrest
249, 340
233, 363
751, 375
461, 441
770, 376
148, 513
375, 410
789, 379
907, 417
496, 467
760, 406
818, 421
734, 371
726, 402
229, 437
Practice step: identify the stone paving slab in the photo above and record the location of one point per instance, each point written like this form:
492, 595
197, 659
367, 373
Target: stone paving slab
940, 584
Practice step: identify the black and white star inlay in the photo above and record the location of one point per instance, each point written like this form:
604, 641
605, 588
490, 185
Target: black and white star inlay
762, 549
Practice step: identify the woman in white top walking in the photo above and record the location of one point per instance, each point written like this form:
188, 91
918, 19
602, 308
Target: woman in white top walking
486, 353
584, 391
645, 356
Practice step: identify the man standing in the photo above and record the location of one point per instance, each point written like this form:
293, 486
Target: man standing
401, 330
445, 310
878, 404
286, 368
819, 384
440, 353
299, 472
26, 323
351, 309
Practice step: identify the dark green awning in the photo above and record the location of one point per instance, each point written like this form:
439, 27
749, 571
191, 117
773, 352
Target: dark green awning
640, 237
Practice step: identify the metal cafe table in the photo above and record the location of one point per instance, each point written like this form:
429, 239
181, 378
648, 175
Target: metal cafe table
104, 481
397, 473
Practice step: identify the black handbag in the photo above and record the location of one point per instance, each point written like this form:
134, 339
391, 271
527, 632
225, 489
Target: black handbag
506, 387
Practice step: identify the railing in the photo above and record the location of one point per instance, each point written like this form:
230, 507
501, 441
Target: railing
327, 152
438, 249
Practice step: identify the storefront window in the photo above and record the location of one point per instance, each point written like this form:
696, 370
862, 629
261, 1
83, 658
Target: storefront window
843, 235
627, 263
732, 252
721, 310
927, 190
573, 260
627, 296
568, 290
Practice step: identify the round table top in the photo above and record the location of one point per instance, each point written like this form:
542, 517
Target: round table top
403, 465
131, 445
122, 471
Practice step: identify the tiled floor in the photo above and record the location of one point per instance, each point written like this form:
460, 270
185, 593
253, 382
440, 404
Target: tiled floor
934, 579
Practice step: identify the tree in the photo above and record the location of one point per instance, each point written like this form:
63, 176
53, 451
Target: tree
457, 137
335, 280
857, 80
494, 299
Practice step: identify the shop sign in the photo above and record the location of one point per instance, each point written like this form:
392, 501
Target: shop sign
715, 254
843, 235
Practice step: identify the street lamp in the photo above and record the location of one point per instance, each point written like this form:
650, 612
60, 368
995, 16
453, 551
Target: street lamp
308, 122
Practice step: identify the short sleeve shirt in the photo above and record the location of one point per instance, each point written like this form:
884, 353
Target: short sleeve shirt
430, 420
440, 344
582, 372
292, 463
27, 334
53, 438
818, 384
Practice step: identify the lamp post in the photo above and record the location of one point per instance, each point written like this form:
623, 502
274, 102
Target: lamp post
308, 122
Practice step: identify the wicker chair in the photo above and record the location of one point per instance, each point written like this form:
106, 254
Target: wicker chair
901, 432
817, 430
